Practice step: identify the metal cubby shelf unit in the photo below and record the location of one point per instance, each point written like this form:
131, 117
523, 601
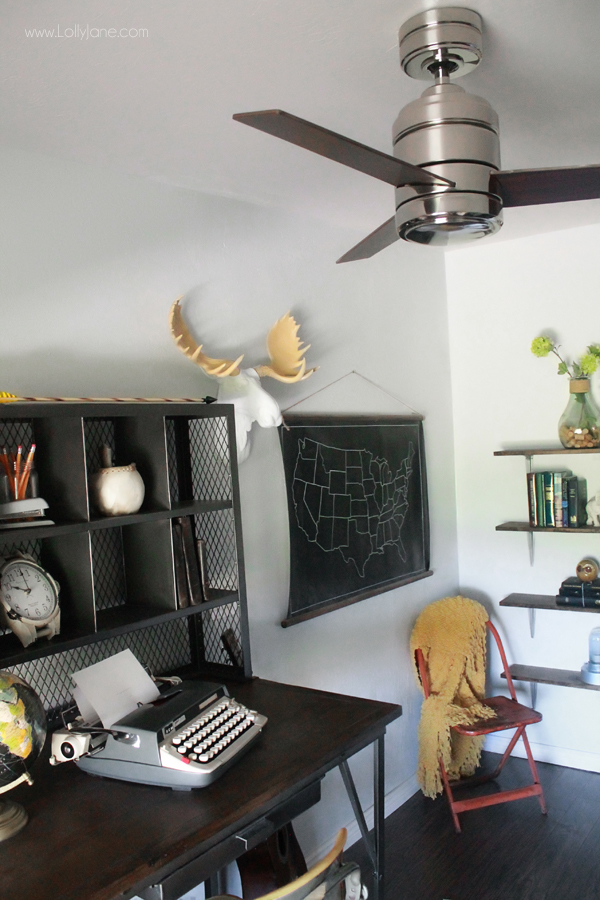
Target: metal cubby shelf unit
117, 574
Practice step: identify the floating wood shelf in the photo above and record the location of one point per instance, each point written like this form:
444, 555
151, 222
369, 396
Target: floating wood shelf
541, 601
526, 527
546, 451
541, 675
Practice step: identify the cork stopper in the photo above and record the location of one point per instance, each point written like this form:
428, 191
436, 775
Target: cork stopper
579, 386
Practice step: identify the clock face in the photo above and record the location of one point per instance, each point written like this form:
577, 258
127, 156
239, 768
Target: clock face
28, 590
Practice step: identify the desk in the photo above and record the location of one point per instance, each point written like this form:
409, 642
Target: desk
96, 839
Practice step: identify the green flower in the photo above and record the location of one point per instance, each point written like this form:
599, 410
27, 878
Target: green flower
582, 368
588, 364
541, 346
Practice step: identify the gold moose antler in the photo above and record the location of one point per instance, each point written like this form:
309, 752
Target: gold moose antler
286, 352
218, 368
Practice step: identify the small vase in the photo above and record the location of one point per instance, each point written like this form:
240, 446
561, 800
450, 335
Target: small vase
119, 490
579, 425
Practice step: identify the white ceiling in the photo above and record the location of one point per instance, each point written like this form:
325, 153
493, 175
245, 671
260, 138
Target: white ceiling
160, 106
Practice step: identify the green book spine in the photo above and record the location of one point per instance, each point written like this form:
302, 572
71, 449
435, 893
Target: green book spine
549, 497
565, 501
539, 499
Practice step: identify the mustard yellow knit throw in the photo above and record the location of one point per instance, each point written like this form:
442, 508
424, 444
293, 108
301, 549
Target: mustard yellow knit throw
451, 633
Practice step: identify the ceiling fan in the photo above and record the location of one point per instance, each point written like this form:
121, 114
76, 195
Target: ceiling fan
446, 162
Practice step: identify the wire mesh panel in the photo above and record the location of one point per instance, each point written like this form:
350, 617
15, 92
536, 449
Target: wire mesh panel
172, 460
222, 632
31, 548
209, 455
97, 432
161, 648
14, 432
198, 458
217, 529
108, 568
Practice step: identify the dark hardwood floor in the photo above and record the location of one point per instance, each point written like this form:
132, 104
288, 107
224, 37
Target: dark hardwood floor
505, 852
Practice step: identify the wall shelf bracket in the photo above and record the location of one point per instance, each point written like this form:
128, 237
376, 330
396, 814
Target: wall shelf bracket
531, 622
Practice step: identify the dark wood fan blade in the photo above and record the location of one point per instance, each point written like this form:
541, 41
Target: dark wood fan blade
529, 187
378, 240
338, 148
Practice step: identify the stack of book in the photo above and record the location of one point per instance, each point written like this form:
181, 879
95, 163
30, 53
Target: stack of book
556, 500
574, 592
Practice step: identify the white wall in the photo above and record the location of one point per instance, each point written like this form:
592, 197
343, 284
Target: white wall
500, 297
90, 265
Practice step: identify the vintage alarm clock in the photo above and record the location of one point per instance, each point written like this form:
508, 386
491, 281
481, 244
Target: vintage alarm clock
28, 599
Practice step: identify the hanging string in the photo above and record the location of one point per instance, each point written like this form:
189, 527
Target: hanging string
347, 375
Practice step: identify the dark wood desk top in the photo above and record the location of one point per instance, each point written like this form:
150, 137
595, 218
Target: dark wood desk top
94, 839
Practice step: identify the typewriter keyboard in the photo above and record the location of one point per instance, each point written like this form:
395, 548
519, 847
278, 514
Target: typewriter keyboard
214, 737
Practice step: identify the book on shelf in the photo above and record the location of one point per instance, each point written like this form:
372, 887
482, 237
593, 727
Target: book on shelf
181, 582
539, 499
548, 498
192, 567
578, 602
558, 499
577, 499
574, 587
532, 496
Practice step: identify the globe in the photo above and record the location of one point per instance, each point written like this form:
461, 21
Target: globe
22, 736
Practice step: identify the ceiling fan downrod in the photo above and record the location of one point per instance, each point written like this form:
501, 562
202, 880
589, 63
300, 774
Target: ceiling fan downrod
447, 131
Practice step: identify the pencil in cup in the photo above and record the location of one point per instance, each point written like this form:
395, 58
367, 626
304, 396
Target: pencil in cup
25, 474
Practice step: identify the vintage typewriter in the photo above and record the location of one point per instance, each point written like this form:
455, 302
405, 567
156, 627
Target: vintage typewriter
185, 739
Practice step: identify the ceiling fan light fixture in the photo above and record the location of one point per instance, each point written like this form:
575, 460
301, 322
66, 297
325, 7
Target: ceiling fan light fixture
448, 229
452, 134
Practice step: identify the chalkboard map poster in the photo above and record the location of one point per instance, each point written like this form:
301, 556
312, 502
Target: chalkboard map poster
357, 503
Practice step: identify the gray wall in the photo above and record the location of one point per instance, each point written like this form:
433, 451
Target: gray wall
91, 263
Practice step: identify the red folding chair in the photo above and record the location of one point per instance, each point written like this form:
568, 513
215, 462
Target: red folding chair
509, 714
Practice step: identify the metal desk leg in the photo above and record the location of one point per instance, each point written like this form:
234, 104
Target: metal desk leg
214, 885
379, 816
374, 844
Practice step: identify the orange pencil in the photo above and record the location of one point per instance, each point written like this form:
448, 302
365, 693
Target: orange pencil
18, 470
26, 471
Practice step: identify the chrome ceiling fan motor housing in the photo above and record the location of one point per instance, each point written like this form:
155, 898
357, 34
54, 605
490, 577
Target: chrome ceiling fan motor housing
448, 132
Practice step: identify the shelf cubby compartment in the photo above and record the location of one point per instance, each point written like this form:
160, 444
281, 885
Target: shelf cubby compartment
198, 459
131, 440
58, 461
132, 571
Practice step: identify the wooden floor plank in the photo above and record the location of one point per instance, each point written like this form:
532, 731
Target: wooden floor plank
505, 852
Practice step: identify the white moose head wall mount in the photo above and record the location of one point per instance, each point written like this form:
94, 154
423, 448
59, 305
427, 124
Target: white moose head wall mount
242, 387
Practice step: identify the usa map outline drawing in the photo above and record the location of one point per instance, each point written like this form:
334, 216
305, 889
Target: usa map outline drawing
351, 501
